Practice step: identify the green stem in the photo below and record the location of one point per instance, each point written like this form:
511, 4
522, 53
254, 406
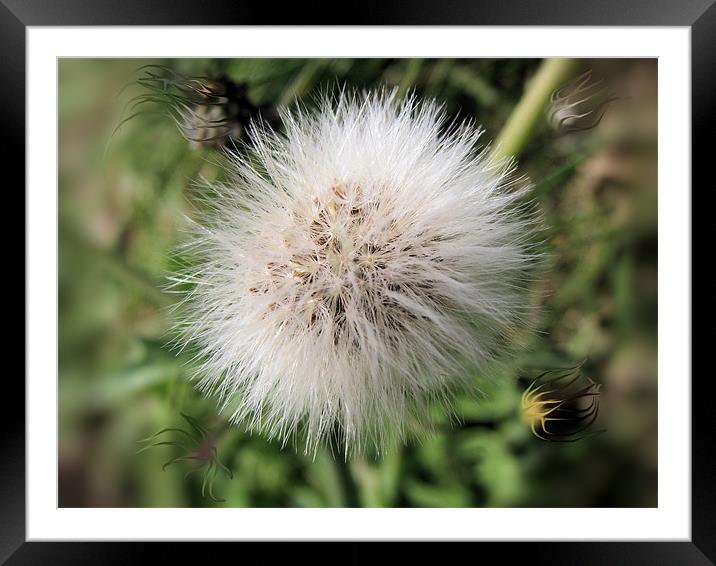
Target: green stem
551, 74
348, 485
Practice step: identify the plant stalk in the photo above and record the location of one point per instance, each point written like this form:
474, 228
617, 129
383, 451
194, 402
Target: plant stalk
551, 74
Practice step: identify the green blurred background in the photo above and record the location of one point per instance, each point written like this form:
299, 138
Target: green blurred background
122, 197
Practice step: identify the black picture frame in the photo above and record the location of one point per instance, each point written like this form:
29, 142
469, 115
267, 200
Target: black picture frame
699, 15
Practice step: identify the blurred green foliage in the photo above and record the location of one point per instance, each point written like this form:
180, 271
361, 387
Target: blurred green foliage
122, 200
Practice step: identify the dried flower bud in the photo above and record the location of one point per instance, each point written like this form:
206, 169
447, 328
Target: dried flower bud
560, 405
198, 448
207, 111
580, 105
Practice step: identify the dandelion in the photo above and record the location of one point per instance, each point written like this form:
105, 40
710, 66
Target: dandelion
354, 270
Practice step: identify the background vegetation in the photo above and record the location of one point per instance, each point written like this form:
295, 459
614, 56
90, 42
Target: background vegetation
122, 200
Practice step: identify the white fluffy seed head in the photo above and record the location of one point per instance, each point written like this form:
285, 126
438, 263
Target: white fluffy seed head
353, 269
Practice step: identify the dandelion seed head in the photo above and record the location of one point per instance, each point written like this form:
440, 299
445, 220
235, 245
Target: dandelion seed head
355, 268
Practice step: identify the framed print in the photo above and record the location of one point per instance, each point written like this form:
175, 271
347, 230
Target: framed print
422, 276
